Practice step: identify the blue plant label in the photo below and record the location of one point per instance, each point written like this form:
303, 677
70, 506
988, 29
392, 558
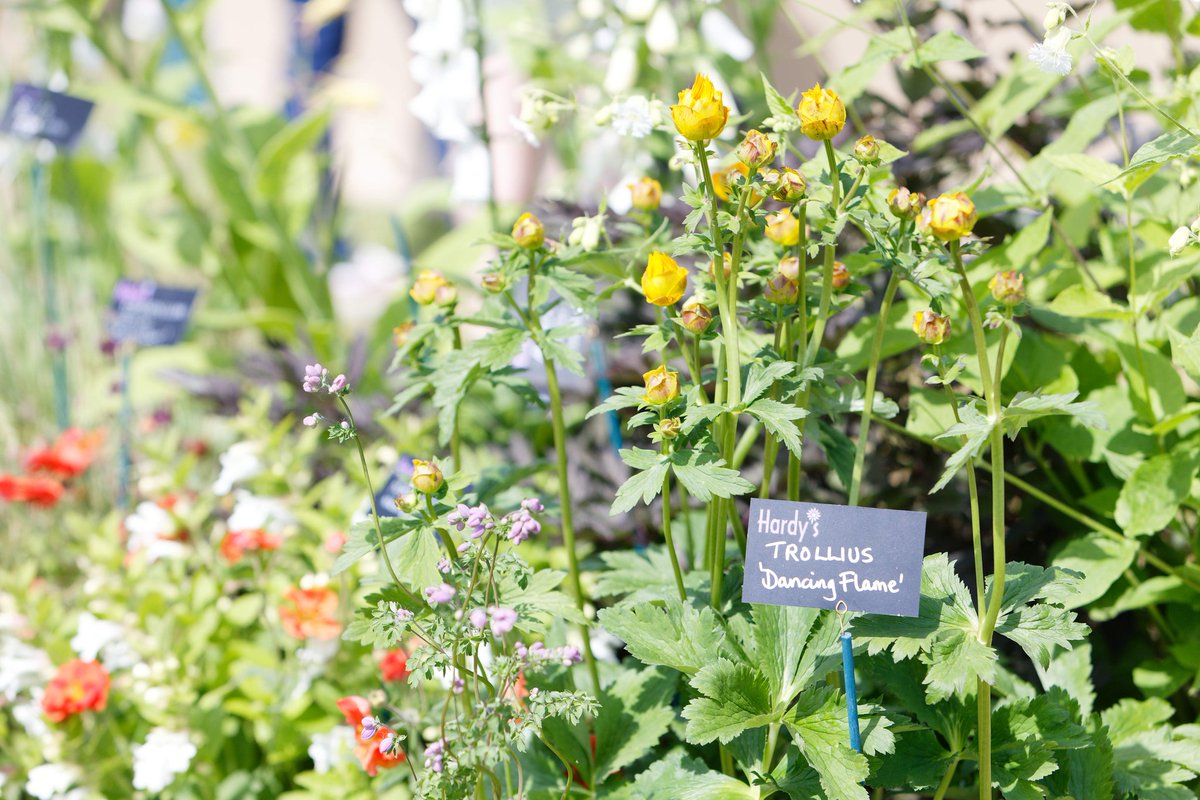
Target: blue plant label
396, 486
819, 555
34, 113
147, 314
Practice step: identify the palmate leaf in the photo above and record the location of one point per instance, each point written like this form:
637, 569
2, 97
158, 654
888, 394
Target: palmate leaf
793, 647
705, 476
1028, 735
1026, 406
1151, 759
736, 697
457, 372
669, 635
645, 484
761, 378
677, 777
818, 723
624, 397
637, 712
976, 428
363, 539
783, 116
1151, 496
780, 420
554, 344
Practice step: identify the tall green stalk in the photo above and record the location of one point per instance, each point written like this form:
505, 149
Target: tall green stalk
864, 424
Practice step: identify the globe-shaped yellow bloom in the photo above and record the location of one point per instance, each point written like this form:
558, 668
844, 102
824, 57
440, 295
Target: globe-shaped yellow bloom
646, 194
529, 231
822, 114
661, 386
701, 113
951, 216
664, 281
931, 327
783, 228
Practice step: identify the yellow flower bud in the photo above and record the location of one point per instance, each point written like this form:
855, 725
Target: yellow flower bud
696, 316
1008, 287
400, 334
425, 287
723, 178
727, 260
529, 231
905, 204
701, 113
783, 228
426, 477
786, 185
663, 281
647, 194
841, 275
407, 502
780, 289
866, 150
951, 216
822, 114
669, 428
790, 266
930, 327
756, 150
661, 386
493, 282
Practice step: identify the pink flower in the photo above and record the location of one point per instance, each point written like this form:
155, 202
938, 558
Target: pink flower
503, 620
478, 618
338, 384
440, 594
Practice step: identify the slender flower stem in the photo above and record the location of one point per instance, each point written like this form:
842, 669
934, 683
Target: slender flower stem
802, 279
864, 425
666, 523
456, 434
947, 777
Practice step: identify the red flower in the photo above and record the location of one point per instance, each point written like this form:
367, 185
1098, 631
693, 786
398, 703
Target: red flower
237, 543
37, 490
394, 666
355, 709
310, 613
77, 687
71, 453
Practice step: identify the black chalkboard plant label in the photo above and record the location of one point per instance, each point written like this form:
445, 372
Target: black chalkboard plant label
34, 113
820, 556
149, 315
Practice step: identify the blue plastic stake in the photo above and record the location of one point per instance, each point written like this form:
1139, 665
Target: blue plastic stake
851, 691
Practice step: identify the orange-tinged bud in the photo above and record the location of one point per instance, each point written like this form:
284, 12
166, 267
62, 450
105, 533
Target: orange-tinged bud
696, 316
905, 204
646, 194
669, 428
426, 477
493, 282
780, 289
841, 275
790, 266
756, 149
786, 185
866, 150
932, 328
1008, 288
951, 216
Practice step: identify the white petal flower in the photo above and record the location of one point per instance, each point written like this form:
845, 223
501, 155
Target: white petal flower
51, 781
150, 528
104, 640
722, 34
622, 69
1180, 239
1047, 59
160, 758
143, 20
252, 512
239, 463
634, 116
22, 667
662, 33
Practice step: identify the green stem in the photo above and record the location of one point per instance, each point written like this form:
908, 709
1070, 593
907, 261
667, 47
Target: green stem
973, 492
689, 549
802, 280
456, 434
864, 424
666, 522
940, 793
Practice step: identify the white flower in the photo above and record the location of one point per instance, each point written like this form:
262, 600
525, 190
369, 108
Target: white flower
104, 640
471, 162
1047, 59
51, 781
722, 34
1180, 239
30, 717
150, 527
622, 68
449, 96
586, 232
239, 463
143, 20
637, 10
662, 33
252, 512
160, 758
331, 748
634, 116
22, 667
363, 287
522, 127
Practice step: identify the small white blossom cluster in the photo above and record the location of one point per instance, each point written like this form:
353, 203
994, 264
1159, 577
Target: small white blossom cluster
1183, 236
160, 758
1050, 55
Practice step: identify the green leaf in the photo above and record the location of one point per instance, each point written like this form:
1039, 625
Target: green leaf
736, 698
1152, 759
1151, 496
636, 576
1081, 300
761, 378
498, 348
783, 117
641, 487
1026, 406
669, 635
363, 539
792, 649
539, 602
976, 428
1185, 350
818, 722
625, 397
956, 661
705, 476
839, 450
676, 777
635, 712
780, 420
1097, 170
945, 46
1101, 561
1156, 152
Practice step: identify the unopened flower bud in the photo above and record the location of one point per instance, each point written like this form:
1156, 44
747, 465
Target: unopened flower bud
529, 231
905, 204
822, 113
790, 266
1008, 287
400, 334
425, 288
930, 327
841, 275
646, 194
951, 216
445, 295
407, 502
426, 477
1056, 14
780, 289
661, 386
786, 185
668, 428
493, 282
866, 150
696, 316
756, 149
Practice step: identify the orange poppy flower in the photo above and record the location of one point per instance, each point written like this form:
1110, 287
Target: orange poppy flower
310, 613
78, 686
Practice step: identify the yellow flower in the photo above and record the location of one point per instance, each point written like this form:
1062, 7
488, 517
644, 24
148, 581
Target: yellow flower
427, 287
647, 194
528, 231
1008, 288
905, 204
696, 316
841, 275
756, 150
664, 280
786, 185
822, 114
701, 113
866, 150
951, 216
723, 177
932, 328
661, 386
426, 477
783, 228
